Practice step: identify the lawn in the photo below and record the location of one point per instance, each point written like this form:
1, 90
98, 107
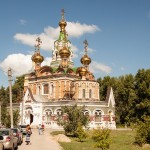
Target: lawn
120, 140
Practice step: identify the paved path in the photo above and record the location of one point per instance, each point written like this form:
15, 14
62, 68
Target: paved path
40, 142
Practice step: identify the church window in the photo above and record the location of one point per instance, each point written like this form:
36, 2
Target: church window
48, 115
83, 93
51, 89
90, 93
45, 89
98, 116
59, 112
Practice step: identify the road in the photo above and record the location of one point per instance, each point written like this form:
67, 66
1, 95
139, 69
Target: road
40, 142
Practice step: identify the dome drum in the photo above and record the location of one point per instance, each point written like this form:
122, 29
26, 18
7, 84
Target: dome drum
82, 71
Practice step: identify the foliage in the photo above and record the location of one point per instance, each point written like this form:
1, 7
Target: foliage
80, 133
17, 94
120, 140
75, 117
17, 89
101, 137
7, 122
143, 133
132, 96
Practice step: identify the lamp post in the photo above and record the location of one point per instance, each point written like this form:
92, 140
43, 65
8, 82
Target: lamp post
22, 107
0, 113
10, 95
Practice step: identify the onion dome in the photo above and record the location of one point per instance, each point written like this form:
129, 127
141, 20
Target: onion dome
37, 58
64, 52
82, 71
85, 60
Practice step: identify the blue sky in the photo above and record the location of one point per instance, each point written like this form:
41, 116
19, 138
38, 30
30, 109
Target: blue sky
118, 33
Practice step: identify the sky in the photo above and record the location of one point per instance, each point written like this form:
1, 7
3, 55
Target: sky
117, 31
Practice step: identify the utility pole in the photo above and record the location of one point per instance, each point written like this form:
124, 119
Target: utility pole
22, 107
0, 113
10, 95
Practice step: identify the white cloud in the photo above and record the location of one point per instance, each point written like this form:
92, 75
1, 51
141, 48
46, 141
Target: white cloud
22, 21
96, 67
50, 34
75, 29
19, 63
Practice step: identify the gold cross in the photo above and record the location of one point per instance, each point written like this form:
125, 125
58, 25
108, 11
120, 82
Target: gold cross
63, 14
39, 42
85, 46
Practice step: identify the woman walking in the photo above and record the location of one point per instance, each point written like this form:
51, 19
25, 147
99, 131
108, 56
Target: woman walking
28, 134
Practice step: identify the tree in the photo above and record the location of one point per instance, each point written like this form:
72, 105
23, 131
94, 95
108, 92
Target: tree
141, 106
6, 115
75, 116
101, 137
80, 133
17, 89
143, 132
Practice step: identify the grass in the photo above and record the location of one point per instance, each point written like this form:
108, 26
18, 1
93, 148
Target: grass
120, 140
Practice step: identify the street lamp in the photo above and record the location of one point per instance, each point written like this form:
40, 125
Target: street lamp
10, 95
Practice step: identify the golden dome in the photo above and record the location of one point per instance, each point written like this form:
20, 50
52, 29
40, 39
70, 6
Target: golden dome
37, 58
82, 71
85, 60
64, 52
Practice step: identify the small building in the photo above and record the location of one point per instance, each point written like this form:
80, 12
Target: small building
48, 88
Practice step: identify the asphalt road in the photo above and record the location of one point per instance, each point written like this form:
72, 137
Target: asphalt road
40, 142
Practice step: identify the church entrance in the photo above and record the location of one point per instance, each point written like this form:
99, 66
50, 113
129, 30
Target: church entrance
31, 118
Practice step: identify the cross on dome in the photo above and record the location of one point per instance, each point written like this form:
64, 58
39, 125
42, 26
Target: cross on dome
85, 45
63, 14
38, 43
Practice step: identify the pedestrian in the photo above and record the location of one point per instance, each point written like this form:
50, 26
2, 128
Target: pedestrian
43, 127
28, 134
40, 129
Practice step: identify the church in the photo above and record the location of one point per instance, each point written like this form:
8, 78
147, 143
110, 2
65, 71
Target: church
48, 88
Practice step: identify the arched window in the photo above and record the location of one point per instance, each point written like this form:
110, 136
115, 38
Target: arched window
83, 93
45, 89
98, 116
86, 112
59, 112
48, 114
51, 89
90, 93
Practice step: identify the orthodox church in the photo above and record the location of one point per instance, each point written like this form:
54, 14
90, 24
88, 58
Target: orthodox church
48, 88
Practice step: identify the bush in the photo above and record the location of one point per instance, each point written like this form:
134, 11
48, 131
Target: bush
101, 137
80, 133
143, 133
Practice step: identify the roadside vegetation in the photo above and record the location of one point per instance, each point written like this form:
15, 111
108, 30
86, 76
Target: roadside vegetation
119, 140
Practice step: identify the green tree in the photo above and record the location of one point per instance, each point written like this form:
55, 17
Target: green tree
80, 133
101, 137
141, 106
75, 116
17, 89
6, 118
143, 132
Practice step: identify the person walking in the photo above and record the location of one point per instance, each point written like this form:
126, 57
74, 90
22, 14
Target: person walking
40, 129
28, 134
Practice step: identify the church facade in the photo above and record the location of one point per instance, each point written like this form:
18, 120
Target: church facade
48, 88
